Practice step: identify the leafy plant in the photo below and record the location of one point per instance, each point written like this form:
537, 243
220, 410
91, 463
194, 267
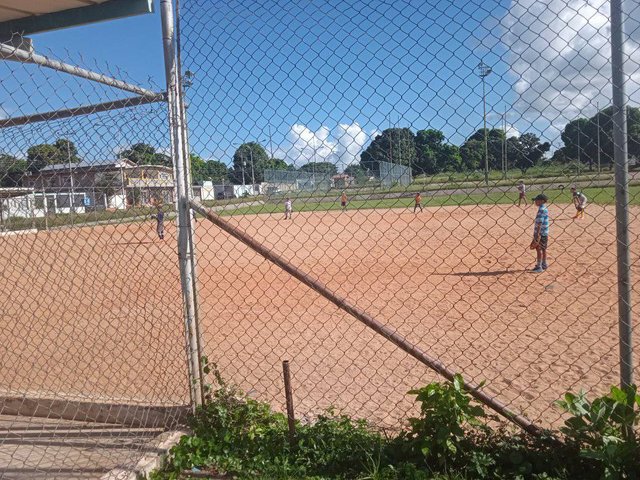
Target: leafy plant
336, 444
603, 429
446, 410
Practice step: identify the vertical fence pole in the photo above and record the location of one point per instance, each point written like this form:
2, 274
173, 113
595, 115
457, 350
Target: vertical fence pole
620, 154
189, 185
182, 203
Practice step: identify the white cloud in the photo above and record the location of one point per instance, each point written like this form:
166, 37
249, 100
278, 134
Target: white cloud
559, 51
351, 139
512, 131
308, 146
341, 145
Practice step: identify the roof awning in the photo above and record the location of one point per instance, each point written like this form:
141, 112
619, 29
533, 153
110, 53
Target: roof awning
33, 16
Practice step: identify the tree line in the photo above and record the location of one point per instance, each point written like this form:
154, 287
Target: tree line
427, 151
585, 140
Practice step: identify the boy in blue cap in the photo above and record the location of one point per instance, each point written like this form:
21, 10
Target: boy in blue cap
541, 234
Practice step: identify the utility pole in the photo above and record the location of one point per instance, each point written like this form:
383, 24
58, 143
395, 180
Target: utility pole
73, 196
504, 144
598, 126
484, 71
253, 177
270, 143
244, 164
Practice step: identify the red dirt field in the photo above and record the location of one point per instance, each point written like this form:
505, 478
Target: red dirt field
95, 312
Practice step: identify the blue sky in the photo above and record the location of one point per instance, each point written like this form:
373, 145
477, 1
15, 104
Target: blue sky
324, 76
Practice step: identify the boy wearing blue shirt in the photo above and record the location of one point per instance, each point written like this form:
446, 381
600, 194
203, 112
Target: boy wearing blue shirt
541, 234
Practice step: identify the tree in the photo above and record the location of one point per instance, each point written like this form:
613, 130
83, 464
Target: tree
208, 170
526, 151
325, 168
433, 155
471, 155
144, 154
275, 164
44, 154
495, 137
11, 170
393, 145
249, 155
577, 140
583, 132
357, 172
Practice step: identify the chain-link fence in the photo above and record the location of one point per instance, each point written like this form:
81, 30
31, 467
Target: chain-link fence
91, 337
477, 108
363, 175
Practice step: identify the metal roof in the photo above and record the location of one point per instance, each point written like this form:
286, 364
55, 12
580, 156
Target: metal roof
98, 163
33, 16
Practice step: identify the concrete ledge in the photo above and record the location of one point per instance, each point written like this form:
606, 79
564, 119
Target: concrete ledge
8, 233
147, 416
147, 463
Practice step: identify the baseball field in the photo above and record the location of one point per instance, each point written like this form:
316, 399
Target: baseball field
95, 312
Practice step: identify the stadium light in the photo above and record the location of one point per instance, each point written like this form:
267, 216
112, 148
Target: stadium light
483, 71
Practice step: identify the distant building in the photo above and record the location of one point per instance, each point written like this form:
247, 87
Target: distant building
107, 184
342, 180
209, 191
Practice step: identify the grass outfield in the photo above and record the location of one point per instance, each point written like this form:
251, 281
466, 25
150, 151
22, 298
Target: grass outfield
598, 195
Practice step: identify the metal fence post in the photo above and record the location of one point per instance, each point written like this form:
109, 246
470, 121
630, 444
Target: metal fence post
622, 193
182, 204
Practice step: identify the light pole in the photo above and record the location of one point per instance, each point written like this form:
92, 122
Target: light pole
71, 181
241, 152
244, 164
270, 143
313, 165
253, 177
484, 71
598, 126
504, 144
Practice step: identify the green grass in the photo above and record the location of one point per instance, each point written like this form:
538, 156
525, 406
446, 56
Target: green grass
597, 195
455, 181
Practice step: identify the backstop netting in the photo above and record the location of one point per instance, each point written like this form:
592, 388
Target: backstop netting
393, 174
290, 181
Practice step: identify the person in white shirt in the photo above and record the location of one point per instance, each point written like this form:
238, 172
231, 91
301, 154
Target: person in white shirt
522, 193
288, 209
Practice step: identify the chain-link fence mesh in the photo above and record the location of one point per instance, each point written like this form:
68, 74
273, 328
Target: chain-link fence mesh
91, 339
385, 153
487, 105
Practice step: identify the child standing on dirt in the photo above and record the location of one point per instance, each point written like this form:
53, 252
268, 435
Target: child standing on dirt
418, 202
541, 234
580, 202
288, 209
343, 201
522, 193
159, 217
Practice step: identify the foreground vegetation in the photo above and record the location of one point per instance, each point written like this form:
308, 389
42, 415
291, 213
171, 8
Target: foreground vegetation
234, 436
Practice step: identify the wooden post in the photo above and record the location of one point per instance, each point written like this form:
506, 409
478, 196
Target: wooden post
288, 392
